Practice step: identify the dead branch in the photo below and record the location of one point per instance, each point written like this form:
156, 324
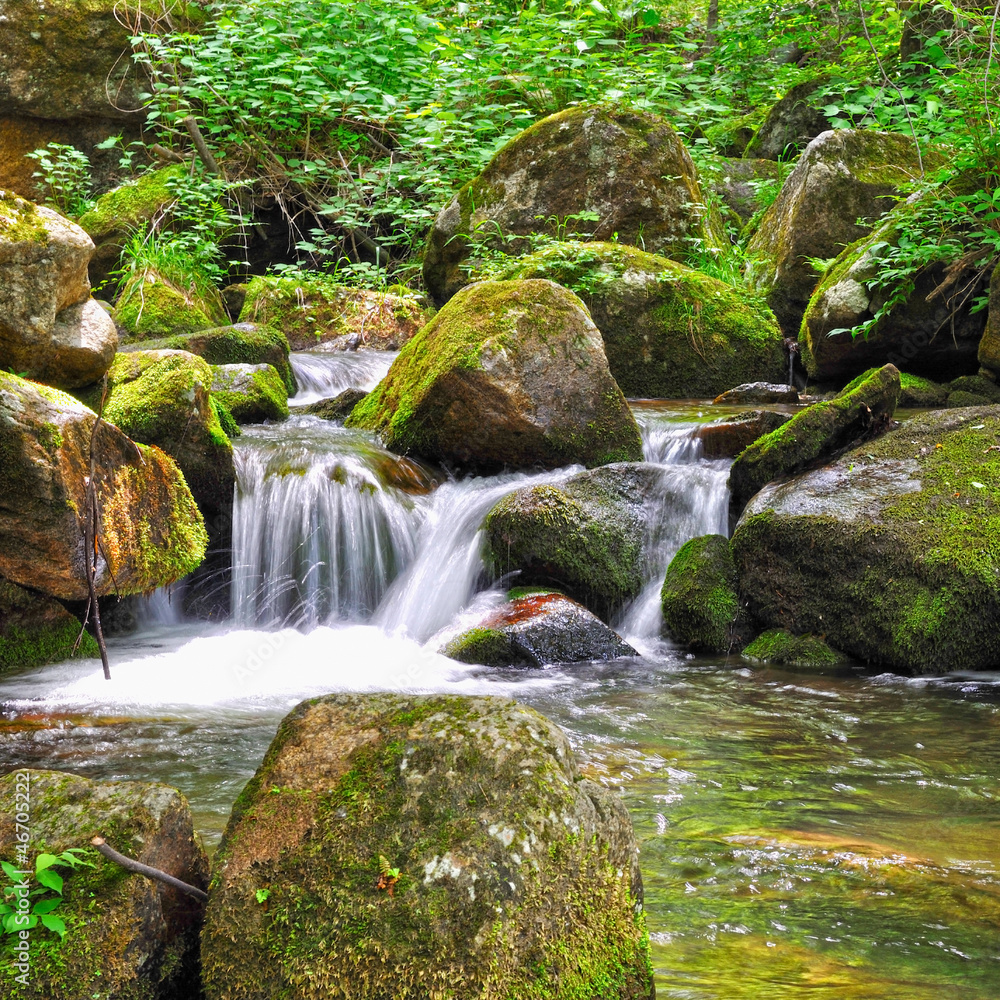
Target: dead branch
139, 868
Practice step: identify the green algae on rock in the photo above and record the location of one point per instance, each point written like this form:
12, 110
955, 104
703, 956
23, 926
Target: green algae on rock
127, 936
509, 374
804, 652
151, 530
891, 552
251, 393
152, 305
862, 409
670, 332
915, 391
701, 609
393, 845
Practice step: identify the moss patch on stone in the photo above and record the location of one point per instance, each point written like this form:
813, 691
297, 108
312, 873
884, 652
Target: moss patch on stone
784, 649
151, 306
124, 209
20, 221
35, 629
250, 393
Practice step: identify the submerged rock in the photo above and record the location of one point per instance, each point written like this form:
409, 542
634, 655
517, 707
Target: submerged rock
760, 392
890, 551
338, 407
50, 327
151, 531
417, 845
126, 935
591, 170
669, 331
535, 630
728, 436
510, 374
251, 393
803, 652
861, 410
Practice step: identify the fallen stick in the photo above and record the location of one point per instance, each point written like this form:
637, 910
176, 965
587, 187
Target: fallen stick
137, 866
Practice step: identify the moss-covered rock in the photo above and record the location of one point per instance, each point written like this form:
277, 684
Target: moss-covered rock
238, 344
584, 536
789, 125
338, 407
977, 385
318, 313
419, 846
989, 345
701, 610
536, 629
728, 436
127, 937
891, 552
933, 333
627, 169
842, 177
759, 392
731, 137
802, 652
152, 305
745, 187
509, 374
669, 331
819, 431
151, 531
50, 327
163, 398
251, 393
915, 391
35, 629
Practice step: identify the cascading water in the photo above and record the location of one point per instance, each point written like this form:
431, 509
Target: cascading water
321, 376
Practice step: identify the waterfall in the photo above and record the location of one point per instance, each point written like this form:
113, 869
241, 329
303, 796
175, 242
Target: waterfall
321, 376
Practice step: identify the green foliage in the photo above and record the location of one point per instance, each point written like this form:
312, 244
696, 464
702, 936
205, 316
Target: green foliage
45, 888
64, 174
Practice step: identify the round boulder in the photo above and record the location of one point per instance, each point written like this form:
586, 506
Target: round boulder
251, 393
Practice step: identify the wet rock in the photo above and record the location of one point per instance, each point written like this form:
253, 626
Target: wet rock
842, 176
251, 393
701, 610
35, 629
669, 331
629, 169
151, 531
728, 436
888, 552
127, 936
915, 391
861, 410
790, 125
584, 536
801, 652
50, 327
509, 374
760, 392
419, 840
989, 345
152, 305
337, 408
535, 630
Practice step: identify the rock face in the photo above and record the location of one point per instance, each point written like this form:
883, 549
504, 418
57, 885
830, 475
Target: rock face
670, 332
152, 305
151, 531
35, 629
889, 552
738, 184
989, 346
627, 168
164, 398
251, 393
841, 177
818, 431
584, 537
701, 609
412, 846
320, 316
728, 436
128, 936
535, 630
50, 327
931, 333
509, 374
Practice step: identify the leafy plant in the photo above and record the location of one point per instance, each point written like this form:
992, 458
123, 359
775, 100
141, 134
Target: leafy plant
16, 914
65, 173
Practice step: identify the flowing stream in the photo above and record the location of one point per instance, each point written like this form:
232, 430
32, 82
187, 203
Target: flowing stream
802, 836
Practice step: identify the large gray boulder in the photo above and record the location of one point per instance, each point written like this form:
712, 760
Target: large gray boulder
508, 374
50, 327
424, 846
627, 171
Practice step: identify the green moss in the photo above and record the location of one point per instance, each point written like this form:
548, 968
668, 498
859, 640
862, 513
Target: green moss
151, 306
485, 646
227, 423
251, 396
20, 221
916, 391
977, 385
36, 629
126, 208
787, 650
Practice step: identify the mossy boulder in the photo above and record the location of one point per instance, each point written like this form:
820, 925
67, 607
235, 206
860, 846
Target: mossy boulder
509, 374
790, 124
915, 391
759, 392
932, 333
728, 436
977, 389
127, 936
338, 407
800, 652
35, 629
164, 398
535, 630
590, 170
50, 327
670, 332
819, 431
701, 609
743, 187
151, 532
250, 393
316, 313
152, 305
237, 344
584, 536
731, 137
842, 177
989, 345
891, 551
420, 846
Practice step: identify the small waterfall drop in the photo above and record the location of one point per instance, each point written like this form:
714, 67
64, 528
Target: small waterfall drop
323, 375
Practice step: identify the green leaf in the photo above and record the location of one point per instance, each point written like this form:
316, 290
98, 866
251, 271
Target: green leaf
44, 861
54, 924
51, 880
10, 871
46, 906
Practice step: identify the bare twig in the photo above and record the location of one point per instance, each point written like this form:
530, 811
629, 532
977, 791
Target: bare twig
91, 533
199, 143
154, 873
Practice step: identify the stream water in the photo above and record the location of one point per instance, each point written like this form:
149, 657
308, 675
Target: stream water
802, 836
